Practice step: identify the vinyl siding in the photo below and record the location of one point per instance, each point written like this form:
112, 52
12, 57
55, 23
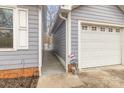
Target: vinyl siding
59, 41
108, 13
44, 24
27, 57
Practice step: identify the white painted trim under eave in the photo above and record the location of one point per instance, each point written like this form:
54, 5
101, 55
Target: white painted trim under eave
40, 39
79, 22
69, 32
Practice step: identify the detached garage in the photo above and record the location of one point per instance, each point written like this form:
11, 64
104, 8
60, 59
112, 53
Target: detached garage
93, 33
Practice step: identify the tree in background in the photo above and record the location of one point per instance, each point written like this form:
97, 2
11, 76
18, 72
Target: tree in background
51, 15
52, 11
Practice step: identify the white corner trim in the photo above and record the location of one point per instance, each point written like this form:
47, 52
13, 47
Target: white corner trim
79, 46
69, 32
122, 45
61, 60
40, 39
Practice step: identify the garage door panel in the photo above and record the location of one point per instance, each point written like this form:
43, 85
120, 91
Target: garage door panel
100, 34
95, 57
99, 48
95, 61
99, 37
115, 39
100, 54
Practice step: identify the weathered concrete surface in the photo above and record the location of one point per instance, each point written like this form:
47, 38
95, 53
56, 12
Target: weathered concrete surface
51, 65
59, 81
102, 77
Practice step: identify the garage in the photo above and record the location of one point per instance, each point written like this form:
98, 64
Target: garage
99, 45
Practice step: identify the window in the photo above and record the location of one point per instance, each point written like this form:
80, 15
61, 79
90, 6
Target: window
110, 29
6, 28
94, 28
84, 27
117, 30
102, 29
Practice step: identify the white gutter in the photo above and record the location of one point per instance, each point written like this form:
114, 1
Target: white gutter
66, 33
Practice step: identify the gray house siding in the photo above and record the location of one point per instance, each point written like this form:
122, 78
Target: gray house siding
100, 13
26, 57
44, 25
59, 40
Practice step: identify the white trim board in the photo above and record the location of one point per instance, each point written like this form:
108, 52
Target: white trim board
40, 40
69, 33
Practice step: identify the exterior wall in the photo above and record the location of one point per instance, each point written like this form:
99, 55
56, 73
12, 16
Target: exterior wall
111, 14
59, 40
27, 57
44, 18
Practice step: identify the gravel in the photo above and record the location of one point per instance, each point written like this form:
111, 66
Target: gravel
22, 82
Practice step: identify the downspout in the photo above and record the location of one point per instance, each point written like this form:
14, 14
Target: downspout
66, 22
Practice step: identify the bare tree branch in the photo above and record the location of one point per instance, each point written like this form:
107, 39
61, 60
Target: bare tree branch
51, 14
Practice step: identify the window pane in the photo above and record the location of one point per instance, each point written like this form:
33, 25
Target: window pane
110, 29
6, 28
84, 27
118, 30
6, 18
102, 29
94, 28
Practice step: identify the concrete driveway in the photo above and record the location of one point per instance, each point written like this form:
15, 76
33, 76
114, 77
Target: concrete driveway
102, 77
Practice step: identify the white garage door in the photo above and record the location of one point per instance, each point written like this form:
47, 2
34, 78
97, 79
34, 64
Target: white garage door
99, 46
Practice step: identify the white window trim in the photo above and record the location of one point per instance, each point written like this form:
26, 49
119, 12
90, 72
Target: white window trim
14, 29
